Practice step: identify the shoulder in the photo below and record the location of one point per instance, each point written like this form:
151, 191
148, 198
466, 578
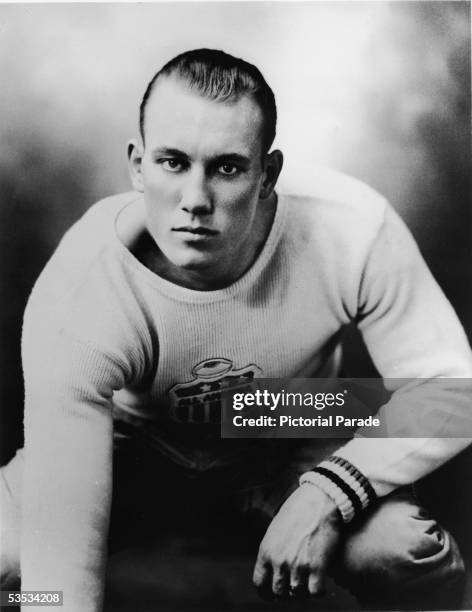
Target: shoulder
84, 291
82, 246
94, 229
331, 230
336, 205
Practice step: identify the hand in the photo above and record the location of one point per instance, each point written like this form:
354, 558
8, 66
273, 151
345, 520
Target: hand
299, 542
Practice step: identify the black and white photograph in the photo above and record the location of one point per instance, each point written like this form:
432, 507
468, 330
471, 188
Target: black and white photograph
212, 211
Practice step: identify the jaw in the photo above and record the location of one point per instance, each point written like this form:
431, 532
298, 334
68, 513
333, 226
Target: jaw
192, 268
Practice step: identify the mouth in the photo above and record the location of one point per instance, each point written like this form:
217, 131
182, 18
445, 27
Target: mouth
195, 231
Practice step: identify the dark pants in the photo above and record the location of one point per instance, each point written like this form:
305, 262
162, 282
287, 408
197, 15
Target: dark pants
393, 556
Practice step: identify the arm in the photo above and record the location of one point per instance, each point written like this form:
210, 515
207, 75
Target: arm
68, 462
411, 332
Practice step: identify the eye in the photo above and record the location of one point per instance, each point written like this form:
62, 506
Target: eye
172, 165
228, 169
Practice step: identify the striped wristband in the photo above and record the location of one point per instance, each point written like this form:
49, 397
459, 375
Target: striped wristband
348, 468
344, 484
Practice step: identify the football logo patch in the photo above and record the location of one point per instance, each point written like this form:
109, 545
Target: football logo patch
199, 401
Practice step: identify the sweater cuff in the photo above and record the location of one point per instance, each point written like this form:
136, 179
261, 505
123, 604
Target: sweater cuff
348, 488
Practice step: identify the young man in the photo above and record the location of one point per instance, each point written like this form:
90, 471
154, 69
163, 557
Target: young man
202, 273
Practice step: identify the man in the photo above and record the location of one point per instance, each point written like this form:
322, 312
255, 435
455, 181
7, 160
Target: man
205, 272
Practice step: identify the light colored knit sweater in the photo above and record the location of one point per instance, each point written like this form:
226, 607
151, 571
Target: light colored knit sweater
100, 330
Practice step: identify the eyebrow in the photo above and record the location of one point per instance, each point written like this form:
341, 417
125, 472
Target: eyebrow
222, 157
169, 151
233, 157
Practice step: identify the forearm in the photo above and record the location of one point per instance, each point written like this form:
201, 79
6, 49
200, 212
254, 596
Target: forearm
68, 465
389, 463
67, 492
427, 422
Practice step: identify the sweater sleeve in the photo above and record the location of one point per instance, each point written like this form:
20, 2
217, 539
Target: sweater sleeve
68, 461
415, 339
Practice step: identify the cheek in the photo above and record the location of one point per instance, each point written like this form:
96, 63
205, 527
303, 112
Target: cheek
161, 198
239, 193
158, 185
162, 190
241, 203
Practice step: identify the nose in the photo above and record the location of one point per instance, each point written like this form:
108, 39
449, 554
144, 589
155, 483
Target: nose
195, 196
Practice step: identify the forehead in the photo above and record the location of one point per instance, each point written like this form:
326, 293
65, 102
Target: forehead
179, 117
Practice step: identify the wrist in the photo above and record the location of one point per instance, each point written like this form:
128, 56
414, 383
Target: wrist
322, 502
348, 488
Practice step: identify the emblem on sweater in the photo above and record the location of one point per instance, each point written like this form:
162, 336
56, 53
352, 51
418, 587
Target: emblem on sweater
200, 400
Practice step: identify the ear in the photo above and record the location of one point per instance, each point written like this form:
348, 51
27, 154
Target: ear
273, 163
135, 159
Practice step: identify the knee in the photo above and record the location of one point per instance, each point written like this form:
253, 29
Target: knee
398, 544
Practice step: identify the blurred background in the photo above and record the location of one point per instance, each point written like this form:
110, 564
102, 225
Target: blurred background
380, 90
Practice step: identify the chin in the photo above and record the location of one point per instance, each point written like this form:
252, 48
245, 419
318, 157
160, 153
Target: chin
192, 261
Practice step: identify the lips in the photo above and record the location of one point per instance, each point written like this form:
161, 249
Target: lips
197, 231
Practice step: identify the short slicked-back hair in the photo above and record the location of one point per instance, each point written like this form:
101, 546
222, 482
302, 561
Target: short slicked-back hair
220, 77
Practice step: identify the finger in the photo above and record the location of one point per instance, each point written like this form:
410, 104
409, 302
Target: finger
262, 578
280, 581
298, 582
316, 586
